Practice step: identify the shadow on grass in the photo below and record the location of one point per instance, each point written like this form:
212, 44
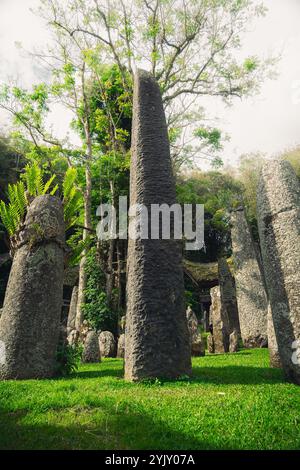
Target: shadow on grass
93, 374
239, 375
112, 429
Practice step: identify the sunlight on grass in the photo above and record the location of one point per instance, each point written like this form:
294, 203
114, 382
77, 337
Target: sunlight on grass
233, 401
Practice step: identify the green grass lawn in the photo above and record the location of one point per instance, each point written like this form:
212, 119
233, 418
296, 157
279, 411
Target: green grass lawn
233, 401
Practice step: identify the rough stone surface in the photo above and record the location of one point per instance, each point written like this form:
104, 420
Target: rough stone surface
197, 345
73, 337
30, 322
251, 295
72, 310
157, 337
219, 322
233, 341
272, 341
210, 343
228, 295
278, 203
121, 346
107, 344
91, 350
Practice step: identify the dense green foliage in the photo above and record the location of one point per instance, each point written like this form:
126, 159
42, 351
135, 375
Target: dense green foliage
96, 309
233, 401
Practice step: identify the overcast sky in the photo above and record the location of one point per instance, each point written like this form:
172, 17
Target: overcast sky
268, 123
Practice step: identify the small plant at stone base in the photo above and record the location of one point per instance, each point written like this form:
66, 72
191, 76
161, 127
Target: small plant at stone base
68, 358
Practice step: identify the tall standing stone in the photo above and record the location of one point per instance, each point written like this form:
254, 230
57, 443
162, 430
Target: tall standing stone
278, 205
72, 311
30, 323
219, 322
228, 295
251, 295
157, 338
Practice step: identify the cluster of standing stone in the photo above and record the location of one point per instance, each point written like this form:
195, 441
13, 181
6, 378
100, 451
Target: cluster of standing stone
256, 302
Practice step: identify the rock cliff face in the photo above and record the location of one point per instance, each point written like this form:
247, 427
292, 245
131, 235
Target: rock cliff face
278, 205
251, 295
157, 338
30, 322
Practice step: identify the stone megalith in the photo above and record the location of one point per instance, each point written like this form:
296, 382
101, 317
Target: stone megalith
107, 344
197, 345
91, 350
250, 291
228, 295
233, 341
210, 343
121, 346
272, 342
278, 207
72, 311
157, 337
30, 323
219, 322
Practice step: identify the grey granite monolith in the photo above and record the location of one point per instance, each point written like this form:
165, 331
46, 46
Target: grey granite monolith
197, 344
157, 337
107, 344
228, 295
250, 290
91, 350
219, 322
278, 207
30, 323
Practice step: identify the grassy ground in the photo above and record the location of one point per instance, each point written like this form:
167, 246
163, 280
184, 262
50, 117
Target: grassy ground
234, 401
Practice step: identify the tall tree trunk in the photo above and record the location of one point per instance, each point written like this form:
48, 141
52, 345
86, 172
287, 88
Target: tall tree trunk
88, 225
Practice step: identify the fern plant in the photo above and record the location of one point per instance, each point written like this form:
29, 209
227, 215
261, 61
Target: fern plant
21, 194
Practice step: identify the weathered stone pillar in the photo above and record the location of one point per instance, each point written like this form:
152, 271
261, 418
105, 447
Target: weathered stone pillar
278, 206
121, 346
228, 295
72, 311
219, 322
91, 351
157, 338
30, 323
107, 344
272, 341
251, 295
197, 345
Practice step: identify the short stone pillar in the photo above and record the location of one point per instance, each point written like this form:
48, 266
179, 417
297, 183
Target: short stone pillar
91, 350
121, 346
30, 322
219, 322
278, 207
107, 344
197, 345
228, 296
251, 295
